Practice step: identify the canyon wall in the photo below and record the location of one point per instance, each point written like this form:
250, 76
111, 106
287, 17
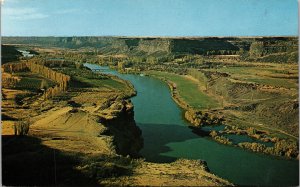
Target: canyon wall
267, 49
154, 45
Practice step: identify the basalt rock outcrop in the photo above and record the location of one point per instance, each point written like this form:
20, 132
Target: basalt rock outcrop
119, 120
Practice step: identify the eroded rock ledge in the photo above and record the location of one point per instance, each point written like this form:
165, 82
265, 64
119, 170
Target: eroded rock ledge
119, 120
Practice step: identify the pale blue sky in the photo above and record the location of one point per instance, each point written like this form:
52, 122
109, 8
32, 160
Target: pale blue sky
149, 17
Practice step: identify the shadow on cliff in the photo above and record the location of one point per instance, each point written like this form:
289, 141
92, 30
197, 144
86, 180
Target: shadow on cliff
157, 136
26, 162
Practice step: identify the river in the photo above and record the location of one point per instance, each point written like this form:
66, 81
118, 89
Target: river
26, 54
167, 137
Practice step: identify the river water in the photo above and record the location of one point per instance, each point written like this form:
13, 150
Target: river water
26, 53
167, 137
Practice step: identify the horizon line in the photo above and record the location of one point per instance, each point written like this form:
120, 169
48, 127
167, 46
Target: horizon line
124, 36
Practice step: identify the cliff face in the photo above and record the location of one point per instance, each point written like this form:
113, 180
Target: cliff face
119, 120
202, 45
154, 45
68, 42
116, 117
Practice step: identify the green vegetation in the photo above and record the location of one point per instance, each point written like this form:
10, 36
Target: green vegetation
273, 76
33, 82
256, 49
82, 77
222, 140
107, 83
29, 83
49, 159
273, 82
188, 90
248, 82
243, 69
254, 97
281, 148
199, 118
200, 76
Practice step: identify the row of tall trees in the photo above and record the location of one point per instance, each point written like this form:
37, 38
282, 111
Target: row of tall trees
60, 78
14, 67
8, 80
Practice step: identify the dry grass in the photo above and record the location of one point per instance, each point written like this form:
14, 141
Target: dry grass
179, 173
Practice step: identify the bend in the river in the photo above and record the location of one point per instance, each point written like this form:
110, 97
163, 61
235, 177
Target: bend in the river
167, 137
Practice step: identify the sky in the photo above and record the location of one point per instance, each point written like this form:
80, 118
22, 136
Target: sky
149, 17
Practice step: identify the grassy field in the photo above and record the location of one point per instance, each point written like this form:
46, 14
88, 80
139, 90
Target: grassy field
188, 90
82, 78
273, 82
273, 109
278, 76
108, 83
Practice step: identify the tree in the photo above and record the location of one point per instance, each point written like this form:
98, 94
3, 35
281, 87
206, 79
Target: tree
21, 128
256, 49
121, 65
151, 60
44, 84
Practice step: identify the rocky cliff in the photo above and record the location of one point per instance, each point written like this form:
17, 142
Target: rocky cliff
154, 45
118, 118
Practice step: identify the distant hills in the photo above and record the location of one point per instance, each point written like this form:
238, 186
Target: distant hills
254, 47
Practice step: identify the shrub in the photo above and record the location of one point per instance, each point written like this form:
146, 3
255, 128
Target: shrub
222, 140
105, 169
213, 134
256, 147
287, 148
251, 131
21, 128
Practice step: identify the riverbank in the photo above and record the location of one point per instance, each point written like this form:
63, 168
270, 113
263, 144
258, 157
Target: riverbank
167, 138
260, 140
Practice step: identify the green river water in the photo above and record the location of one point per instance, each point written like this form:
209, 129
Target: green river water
167, 137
